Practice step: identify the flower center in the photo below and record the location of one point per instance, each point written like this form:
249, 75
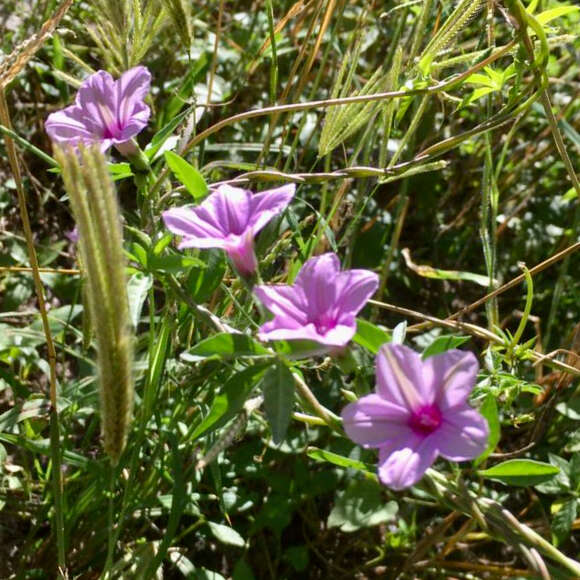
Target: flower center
425, 420
324, 323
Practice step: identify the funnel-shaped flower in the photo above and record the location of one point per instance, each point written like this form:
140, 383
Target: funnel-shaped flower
419, 411
229, 219
106, 111
321, 305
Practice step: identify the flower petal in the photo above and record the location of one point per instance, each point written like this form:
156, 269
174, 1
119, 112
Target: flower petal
355, 288
400, 377
241, 253
69, 126
286, 303
197, 228
451, 376
462, 435
230, 207
339, 335
97, 99
372, 421
317, 278
130, 92
403, 462
290, 331
265, 205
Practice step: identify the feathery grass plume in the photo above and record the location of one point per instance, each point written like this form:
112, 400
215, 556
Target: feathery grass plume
179, 12
95, 208
12, 64
124, 30
342, 122
464, 12
389, 110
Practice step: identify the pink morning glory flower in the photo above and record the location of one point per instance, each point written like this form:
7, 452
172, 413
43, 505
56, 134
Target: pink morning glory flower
321, 305
419, 411
229, 219
106, 111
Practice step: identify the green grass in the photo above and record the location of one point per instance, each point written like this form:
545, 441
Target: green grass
434, 126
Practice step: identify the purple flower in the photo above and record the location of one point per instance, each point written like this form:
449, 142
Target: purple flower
106, 111
321, 305
419, 411
229, 219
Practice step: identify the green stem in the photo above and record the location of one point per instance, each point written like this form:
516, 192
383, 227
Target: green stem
274, 67
332, 420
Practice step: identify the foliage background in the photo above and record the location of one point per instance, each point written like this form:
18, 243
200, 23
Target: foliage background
494, 198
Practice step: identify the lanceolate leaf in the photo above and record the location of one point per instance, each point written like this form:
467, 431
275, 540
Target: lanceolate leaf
521, 472
278, 387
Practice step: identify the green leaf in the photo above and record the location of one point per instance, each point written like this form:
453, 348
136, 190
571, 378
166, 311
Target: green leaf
438, 274
172, 263
399, 333
138, 287
490, 413
564, 511
278, 387
202, 281
225, 346
297, 349
31, 409
361, 506
521, 472
231, 401
226, 535
370, 336
561, 482
165, 132
298, 557
570, 409
188, 175
329, 457
242, 571
553, 13
120, 171
444, 343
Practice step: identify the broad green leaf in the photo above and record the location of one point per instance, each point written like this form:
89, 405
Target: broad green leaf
361, 506
340, 460
297, 349
553, 13
138, 287
477, 94
489, 412
226, 535
226, 346
278, 388
172, 263
570, 409
202, 281
120, 171
370, 336
480, 79
231, 401
564, 514
188, 175
444, 343
521, 472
